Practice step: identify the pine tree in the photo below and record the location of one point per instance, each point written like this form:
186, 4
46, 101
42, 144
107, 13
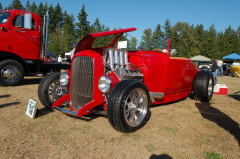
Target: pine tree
231, 40
167, 28
68, 32
58, 15
16, 4
1, 8
158, 37
33, 7
52, 22
96, 27
147, 40
221, 45
209, 49
27, 6
40, 11
56, 41
132, 44
83, 27
199, 34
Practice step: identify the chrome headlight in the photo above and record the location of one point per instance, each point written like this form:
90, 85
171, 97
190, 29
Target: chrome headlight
104, 84
64, 78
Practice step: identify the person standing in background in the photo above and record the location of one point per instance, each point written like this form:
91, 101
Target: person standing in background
220, 68
59, 58
214, 70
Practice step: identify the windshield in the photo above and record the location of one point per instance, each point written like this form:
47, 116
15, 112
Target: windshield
4, 17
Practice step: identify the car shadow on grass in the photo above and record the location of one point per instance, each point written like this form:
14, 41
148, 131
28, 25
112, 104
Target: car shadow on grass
8, 104
162, 156
90, 117
30, 81
168, 103
45, 111
5, 96
212, 114
235, 96
42, 112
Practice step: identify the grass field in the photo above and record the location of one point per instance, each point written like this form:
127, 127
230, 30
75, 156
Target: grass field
186, 129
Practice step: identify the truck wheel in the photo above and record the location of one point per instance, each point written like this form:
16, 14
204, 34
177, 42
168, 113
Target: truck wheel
128, 106
49, 89
11, 73
203, 86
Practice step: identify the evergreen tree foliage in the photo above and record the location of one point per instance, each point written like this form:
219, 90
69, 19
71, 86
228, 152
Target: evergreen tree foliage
27, 6
83, 26
96, 27
132, 44
68, 32
1, 8
147, 40
188, 40
158, 37
33, 7
167, 28
16, 4
210, 42
199, 35
56, 41
41, 10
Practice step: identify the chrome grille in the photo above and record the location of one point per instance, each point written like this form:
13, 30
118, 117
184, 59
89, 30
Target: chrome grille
82, 82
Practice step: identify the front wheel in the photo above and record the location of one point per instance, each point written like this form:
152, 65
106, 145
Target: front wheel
203, 86
49, 89
128, 106
11, 73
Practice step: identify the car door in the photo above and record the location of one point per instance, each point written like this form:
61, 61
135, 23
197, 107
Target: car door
24, 42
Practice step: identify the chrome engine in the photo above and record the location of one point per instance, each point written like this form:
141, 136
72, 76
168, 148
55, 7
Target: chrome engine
117, 61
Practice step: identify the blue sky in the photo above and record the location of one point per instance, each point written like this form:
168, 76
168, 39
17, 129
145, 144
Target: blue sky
144, 14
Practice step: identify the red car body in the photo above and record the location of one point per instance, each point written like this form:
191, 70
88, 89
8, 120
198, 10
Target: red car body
159, 76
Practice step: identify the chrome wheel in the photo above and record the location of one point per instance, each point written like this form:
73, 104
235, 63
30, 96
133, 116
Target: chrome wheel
128, 106
50, 90
55, 91
9, 74
135, 108
210, 87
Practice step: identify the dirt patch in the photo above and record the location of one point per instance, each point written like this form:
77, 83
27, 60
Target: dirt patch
183, 129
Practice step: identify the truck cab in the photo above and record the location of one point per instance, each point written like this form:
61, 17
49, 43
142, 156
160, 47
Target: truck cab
16, 37
21, 46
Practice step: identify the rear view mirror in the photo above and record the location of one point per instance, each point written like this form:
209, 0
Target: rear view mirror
173, 52
27, 21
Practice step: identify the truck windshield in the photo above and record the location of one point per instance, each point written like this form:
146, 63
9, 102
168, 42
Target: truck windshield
4, 17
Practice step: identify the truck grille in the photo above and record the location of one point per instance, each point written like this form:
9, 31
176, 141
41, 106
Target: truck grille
82, 82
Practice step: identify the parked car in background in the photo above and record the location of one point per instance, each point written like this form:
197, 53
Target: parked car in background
235, 70
205, 65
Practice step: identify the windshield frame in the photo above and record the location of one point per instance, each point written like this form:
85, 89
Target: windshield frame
4, 20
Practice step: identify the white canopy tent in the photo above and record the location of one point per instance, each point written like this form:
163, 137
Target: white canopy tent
200, 58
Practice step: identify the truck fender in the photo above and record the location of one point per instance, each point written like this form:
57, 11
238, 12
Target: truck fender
7, 55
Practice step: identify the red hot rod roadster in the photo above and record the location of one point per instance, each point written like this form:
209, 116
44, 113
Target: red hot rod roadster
122, 84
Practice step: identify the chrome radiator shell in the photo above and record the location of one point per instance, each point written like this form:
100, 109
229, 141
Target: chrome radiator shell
82, 81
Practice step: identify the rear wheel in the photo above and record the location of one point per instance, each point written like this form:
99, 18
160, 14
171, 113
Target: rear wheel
203, 86
128, 106
11, 73
49, 89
